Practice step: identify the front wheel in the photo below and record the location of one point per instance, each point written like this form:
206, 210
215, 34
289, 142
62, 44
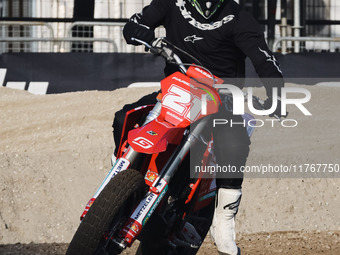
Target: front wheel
108, 213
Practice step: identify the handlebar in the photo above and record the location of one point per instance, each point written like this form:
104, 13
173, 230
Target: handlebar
258, 103
160, 47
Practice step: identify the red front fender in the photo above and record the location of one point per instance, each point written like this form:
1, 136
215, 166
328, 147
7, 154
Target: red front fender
154, 137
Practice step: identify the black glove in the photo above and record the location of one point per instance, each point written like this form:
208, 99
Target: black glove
277, 112
133, 29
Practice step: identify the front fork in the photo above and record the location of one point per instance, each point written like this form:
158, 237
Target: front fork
157, 191
123, 162
147, 206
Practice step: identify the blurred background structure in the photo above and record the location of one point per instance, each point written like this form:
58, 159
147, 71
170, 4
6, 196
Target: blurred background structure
290, 26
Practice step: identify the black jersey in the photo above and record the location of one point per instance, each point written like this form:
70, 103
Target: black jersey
220, 43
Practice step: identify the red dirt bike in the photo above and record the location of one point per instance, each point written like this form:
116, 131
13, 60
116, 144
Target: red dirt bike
149, 193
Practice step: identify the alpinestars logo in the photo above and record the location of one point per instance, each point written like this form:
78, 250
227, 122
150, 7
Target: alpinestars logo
271, 58
192, 38
202, 26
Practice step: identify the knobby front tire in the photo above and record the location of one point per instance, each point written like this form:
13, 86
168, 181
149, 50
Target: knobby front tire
112, 207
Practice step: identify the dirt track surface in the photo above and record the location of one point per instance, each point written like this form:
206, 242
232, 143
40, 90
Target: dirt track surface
275, 243
55, 151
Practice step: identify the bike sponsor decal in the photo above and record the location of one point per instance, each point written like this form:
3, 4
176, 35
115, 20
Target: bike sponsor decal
134, 227
164, 187
206, 74
182, 81
143, 207
174, 116
131, 230
143, 142
87, 208
150, 132
151, 176
120, 165
147, 206
140, 107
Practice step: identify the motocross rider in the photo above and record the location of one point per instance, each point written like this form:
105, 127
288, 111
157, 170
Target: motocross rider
220, 35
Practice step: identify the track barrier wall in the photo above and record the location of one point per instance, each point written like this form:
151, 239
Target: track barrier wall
50, 73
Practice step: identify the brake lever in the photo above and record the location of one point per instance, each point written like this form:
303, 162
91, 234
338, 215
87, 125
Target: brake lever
260, 106
141, 42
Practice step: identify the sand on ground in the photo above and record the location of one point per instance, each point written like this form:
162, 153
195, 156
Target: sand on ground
55, 150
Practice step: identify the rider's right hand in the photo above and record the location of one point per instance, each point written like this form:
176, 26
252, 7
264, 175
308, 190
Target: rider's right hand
277, 112
134, 29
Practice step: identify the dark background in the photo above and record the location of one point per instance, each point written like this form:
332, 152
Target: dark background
67, 72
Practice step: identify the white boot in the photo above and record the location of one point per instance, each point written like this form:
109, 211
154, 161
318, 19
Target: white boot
222, 229
113, 159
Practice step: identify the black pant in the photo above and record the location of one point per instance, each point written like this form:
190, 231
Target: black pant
231, 148
119, 119
231, 142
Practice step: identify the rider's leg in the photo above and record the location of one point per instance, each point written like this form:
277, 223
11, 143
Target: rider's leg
231, 150
119, 119
224, 235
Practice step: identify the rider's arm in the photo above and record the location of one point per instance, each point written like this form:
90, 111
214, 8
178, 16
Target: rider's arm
141, 25
249, 37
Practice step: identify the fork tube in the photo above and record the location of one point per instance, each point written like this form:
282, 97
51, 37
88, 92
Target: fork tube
178, 157
154, 113
181, 66
130, 155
